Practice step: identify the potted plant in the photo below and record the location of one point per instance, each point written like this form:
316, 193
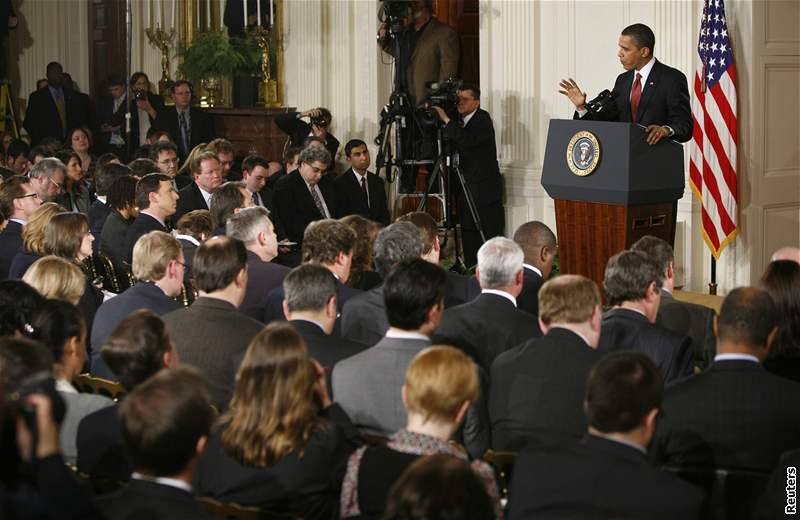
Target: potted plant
209, 58
245, 82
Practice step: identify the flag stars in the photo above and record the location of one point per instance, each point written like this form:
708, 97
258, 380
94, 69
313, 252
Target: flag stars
710, 76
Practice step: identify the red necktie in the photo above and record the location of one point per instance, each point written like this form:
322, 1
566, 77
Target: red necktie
636, 95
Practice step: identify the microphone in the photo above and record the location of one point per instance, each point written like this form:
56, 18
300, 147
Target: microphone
602, 101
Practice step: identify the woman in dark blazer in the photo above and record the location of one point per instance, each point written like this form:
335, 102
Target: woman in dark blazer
283, 445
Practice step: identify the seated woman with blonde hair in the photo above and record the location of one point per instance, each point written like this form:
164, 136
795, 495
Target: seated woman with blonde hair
56, 278
282, 445
440, 384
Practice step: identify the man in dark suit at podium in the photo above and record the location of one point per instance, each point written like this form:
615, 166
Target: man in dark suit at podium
649, 93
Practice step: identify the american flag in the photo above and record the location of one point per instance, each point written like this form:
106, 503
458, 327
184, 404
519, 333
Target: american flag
712, 153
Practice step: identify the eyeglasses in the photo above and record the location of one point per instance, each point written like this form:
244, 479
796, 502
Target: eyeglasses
58, 186
184, 265
34, 195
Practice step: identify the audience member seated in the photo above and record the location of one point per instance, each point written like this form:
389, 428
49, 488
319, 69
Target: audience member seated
100, 209
156, 199
537, 388
367, 385
114, 235
47, 178
16, 157
606, 475
735, 415
328, 243
192, 229
75, 195
212, 334
460, 288
188, 125
690, 319
440, 383
223, 149
165, 423
298, 130
158, 266
782, 281
59, 326
253, 228
165, 155
362, 271
33, 239
310, 307
364, 317
439, 486
16, 194
18, 301
207, 177
37, 153
359, 191
300, 198
227, 200
138, 348
36, 483
56, 278
142, 166
184, 177
491, 323
291, 162
254, 176
283, 445
540, 248
633, 287
80, 140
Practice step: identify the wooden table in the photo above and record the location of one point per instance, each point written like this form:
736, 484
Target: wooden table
251, 130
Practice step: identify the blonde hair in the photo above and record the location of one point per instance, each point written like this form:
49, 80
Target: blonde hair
272, 411
569, 298
186, 167
33, 232
438, 381
152, 253
56, 278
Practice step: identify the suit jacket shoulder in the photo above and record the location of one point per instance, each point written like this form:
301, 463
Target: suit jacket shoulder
146, 499
364, 317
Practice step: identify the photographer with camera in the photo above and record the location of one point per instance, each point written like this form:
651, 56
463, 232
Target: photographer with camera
471, 135
146, 109
298, 130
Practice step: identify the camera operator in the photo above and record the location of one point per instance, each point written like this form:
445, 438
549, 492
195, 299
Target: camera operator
472, 136
298, 130
429, 49
147, 107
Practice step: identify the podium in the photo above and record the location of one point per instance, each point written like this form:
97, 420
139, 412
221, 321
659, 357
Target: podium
631, 190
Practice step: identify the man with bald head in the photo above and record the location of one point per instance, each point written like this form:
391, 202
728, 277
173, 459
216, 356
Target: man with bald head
539, 245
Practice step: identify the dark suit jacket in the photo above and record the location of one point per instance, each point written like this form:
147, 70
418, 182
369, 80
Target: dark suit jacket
485, 327
143, 295
147, 499
190, 199
327, 349
201, 127
98, 213
209, 335
733, 415
274, 305
460, 289
106, 114
262, 277
142, 225
597, 479
189, 248
101, 451
350, 197
294, 207
364, 317
298, 130
42, 119
113, 241
538, 390
664, 101
307, 485
625, 329
20, 264
10, 245
528, 299
693, 320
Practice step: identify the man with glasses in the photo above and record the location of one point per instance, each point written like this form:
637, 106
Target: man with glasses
47, 178
165, 155
473, 135
18, 201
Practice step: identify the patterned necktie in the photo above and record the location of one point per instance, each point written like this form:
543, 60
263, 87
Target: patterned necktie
364, 191
636, 95
62, 113
318, 201
184, 130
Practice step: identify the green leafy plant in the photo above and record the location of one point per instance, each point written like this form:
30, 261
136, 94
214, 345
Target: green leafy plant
210, 54
251, 55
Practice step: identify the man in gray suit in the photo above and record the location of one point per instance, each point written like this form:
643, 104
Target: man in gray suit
364, 316
212, 334
691, 319
368, 384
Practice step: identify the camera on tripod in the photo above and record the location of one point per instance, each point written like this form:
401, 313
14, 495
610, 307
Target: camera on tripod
444, 95
393, 14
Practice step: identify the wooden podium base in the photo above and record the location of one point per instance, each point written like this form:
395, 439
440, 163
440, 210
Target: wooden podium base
590, 233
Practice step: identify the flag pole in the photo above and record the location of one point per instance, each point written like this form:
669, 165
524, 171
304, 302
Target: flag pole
712, 287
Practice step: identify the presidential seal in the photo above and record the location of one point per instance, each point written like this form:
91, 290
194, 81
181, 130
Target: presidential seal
583, 153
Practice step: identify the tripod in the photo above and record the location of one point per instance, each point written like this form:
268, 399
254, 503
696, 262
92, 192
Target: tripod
447, 162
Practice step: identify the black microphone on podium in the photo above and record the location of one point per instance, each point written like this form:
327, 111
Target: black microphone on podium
602, 102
